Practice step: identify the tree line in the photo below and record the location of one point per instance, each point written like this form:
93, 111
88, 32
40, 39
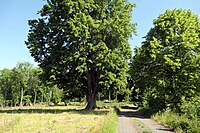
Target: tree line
22, 86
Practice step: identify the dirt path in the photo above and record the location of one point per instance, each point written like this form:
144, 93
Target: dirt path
131, 121
126, 125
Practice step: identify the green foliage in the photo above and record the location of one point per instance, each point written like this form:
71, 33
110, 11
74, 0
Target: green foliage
1, 99
192, 108
57, 95
5, 86
20, 75
27, 100
82, 46
166, 68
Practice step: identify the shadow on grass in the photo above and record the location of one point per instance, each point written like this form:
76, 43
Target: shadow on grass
54, 111
128, 107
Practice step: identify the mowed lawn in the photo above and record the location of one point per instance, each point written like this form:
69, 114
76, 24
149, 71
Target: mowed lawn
58, 119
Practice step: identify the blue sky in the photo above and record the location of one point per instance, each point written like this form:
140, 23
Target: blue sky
148, 10
14, 15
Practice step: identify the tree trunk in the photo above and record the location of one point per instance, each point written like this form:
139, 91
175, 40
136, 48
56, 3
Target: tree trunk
99, 96
116, 96
22, 94
92, 81
42, 99
91, 102
109, 97
35, 96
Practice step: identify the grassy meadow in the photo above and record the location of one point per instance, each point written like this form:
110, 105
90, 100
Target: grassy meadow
57, 119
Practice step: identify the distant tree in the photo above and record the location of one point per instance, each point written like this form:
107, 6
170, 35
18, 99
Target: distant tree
34, 83
57, 94
21, 75
79, 43
166, 68
6, 87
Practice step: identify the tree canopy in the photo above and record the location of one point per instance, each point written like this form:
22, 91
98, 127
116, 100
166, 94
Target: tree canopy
82, 45
166, 67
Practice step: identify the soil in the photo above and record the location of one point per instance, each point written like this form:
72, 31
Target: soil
133, 121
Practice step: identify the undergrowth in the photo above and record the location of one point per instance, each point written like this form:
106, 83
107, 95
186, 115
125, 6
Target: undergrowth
186, 121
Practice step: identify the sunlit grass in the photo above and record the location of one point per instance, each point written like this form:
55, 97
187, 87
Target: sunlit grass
62, 119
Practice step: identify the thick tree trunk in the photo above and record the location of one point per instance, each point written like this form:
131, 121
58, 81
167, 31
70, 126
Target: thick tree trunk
92, 81
91, 102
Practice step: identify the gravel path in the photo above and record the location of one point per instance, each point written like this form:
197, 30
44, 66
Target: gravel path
126, 125
131, 121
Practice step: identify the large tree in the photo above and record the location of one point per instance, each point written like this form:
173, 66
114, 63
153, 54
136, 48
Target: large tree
166, 68
78, 43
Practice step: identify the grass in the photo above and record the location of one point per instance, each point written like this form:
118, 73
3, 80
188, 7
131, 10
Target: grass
111, 122
59, 119
180, 123
113, 104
